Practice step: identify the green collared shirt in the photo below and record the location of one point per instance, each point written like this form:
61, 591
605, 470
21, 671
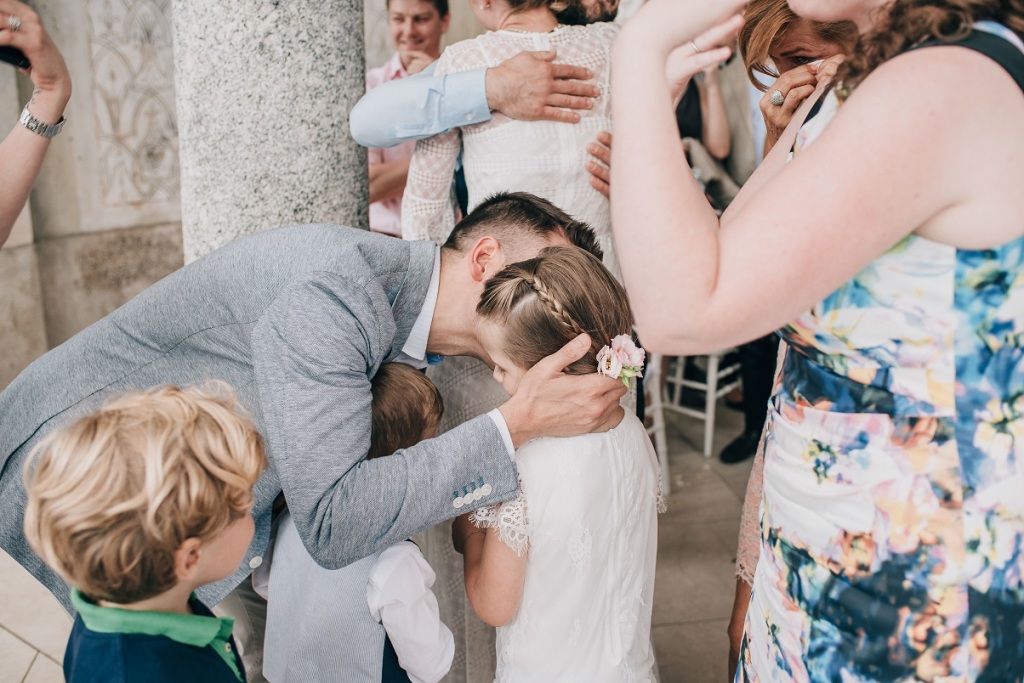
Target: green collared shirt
187, 629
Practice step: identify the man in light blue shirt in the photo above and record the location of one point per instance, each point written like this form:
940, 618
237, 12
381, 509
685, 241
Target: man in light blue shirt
529, 86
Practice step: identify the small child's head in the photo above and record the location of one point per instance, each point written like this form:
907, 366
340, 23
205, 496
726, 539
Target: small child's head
531, 309
152, 489
406, 409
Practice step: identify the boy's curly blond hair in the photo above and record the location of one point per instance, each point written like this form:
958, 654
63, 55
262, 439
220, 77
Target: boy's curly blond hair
114, 495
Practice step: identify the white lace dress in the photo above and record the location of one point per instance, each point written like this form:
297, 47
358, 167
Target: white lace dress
587, 516
545, 158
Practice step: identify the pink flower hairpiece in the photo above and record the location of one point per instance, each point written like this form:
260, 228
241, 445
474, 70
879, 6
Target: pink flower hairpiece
622, 360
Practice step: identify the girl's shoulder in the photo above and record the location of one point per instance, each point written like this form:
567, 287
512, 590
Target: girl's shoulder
629, 432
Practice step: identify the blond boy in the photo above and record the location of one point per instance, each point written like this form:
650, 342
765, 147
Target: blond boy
136, 506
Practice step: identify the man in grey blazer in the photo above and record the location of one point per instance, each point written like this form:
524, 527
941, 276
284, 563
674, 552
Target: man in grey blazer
298, 320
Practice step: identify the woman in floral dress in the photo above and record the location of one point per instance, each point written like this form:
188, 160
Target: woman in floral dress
889, 252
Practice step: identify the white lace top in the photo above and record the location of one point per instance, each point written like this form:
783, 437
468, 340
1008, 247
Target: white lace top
545, 158
587, 516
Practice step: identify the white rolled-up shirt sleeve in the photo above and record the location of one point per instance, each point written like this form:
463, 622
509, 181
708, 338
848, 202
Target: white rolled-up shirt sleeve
399, 596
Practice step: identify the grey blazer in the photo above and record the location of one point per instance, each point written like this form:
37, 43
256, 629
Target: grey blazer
297, 320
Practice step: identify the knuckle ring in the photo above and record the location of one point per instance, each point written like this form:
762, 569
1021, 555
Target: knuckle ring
777, 98
696, 50
14, 23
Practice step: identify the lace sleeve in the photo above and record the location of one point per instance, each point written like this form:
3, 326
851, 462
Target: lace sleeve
428, 212
511, 521
750, 520
749, 545
428, 207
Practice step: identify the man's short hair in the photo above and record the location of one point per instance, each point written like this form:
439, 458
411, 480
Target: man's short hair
406, 407
510, 217
440, 5
113, 496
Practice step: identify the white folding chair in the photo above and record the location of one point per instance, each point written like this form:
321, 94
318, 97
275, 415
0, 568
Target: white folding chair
719, 380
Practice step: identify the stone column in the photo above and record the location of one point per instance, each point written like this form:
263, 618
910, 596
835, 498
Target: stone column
264, 89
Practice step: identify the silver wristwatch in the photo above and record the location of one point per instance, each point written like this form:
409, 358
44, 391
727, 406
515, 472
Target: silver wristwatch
47, 130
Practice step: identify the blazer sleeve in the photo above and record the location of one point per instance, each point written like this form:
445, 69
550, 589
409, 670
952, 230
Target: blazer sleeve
314, 352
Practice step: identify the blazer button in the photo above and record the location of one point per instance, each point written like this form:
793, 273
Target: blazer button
255, 562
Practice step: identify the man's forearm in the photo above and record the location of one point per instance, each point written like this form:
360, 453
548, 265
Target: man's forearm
418, 107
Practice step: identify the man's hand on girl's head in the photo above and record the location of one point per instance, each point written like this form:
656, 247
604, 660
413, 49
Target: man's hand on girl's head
550, 403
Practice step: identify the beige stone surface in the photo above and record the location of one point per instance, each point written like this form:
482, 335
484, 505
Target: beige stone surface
116, 163
31, 612
23, 332
87, 276
44, 670
16, 657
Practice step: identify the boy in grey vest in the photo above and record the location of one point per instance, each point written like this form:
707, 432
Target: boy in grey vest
374, 620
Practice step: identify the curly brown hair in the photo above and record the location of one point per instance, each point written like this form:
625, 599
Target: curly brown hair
909, 22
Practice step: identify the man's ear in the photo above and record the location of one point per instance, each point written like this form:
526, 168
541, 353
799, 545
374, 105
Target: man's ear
486, 259
186, 559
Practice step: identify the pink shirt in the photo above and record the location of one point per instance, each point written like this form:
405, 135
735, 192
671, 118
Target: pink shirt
386, 216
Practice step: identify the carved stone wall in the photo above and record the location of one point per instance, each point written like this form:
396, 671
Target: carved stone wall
133, 105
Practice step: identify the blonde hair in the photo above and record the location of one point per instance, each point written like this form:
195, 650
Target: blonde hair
766, 21
406, 406
113, 496
547, 301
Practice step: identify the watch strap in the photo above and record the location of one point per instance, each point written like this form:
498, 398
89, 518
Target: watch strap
47, 130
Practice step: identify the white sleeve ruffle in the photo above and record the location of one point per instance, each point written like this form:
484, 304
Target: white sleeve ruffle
510, 519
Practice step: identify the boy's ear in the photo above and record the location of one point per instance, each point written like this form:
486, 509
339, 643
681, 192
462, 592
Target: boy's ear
186, 559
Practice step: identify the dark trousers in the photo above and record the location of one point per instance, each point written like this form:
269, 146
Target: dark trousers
757, 369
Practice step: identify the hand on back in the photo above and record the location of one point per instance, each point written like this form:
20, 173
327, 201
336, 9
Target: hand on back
530, 87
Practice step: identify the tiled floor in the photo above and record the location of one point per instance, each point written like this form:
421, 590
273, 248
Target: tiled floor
693, 595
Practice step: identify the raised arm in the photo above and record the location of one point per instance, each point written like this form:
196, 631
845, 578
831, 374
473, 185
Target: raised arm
22, 151
528, 86
887, 165
715, 133
314, 350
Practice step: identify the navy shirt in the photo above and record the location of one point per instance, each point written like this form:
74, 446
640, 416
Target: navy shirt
111, 645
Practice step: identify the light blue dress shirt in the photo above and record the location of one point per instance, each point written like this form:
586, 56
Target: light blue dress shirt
418, 107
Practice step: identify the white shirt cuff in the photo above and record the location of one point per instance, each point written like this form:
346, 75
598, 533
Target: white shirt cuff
506, 436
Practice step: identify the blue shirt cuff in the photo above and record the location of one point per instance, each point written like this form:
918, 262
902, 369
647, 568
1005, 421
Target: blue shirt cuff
465, 99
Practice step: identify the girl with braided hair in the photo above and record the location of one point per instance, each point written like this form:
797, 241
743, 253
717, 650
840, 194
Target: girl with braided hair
566, 570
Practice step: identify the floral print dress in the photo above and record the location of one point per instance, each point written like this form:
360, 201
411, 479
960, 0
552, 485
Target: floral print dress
892, 535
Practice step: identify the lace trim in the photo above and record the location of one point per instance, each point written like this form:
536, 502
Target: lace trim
510, 519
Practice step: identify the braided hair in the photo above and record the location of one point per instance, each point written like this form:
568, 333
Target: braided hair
547, 301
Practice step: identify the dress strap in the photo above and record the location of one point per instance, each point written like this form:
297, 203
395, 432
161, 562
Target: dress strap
994, 41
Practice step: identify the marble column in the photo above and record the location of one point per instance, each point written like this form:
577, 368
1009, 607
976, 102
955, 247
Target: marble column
264, 88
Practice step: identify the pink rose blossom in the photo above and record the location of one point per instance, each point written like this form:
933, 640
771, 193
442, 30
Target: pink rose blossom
622, 360
627, 352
